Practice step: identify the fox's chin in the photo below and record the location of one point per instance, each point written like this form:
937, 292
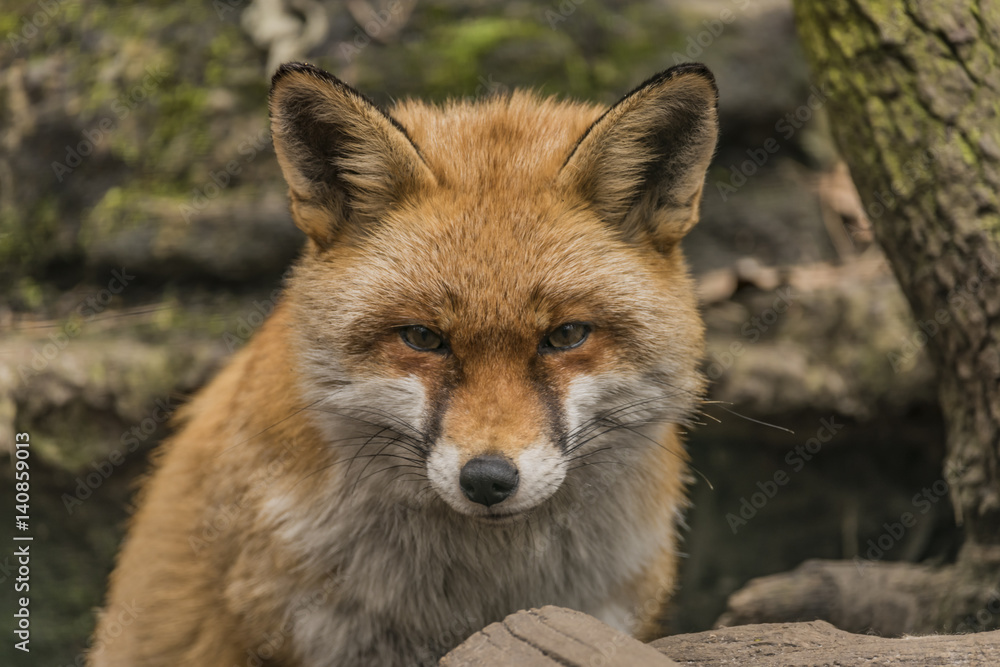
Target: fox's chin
516, 509
497, 519
490, 517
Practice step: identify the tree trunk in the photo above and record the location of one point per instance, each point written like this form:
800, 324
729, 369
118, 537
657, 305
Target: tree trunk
913, 93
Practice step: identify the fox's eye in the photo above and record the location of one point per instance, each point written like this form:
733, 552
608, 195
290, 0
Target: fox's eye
421, 338
566, 336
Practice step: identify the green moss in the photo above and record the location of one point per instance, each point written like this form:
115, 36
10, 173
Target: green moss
221, 49
30, 293
889, 17
969, 155
134, 207
456, 51
850, 40
159, 132
70, 438
26, 235
113, 214
182, 127
10, 24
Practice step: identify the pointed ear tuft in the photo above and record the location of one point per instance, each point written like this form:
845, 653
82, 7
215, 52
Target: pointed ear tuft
642, 164
346, 161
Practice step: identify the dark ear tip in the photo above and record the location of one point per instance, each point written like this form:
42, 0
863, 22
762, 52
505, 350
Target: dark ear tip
699, 69
290, 68
684, 69
287, 69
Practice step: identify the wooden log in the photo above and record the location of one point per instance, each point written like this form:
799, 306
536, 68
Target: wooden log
819, 644
557, 637
551, 637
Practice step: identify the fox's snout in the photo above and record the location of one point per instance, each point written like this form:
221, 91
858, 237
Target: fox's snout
488, 480
493, 484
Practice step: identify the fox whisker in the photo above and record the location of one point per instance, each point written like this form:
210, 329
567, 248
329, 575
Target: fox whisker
280, 421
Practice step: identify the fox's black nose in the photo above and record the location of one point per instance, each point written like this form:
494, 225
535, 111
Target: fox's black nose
488, 480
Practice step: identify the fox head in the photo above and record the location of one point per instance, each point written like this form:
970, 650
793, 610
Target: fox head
493, 290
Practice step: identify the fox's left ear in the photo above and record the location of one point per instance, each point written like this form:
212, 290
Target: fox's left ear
346, 162
642, 164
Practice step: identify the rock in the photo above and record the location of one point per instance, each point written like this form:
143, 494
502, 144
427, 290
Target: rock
831, 339
92, 384
231, 239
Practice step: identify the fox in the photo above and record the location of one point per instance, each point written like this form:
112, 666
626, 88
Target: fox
470, 399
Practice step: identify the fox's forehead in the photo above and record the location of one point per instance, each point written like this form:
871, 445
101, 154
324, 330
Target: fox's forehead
492, 239
520, 137
475, 266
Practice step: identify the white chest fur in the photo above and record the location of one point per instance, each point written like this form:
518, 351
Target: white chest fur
412, 582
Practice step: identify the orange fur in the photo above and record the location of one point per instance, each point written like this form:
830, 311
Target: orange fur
276, 526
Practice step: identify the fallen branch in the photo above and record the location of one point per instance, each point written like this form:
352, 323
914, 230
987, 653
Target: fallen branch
889, 599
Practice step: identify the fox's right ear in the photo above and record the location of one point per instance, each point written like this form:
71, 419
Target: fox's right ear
346, 161
642, 164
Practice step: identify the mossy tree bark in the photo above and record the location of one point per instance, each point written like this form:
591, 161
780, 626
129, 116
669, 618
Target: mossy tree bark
914, 95
913, 91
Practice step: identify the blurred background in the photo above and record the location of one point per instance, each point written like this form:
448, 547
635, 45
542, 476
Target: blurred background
144, 231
